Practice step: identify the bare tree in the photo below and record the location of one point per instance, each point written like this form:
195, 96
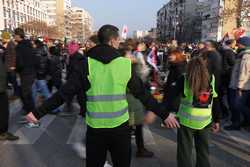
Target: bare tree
240, 9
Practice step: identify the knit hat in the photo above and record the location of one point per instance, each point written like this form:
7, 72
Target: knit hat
5, 36
244, 41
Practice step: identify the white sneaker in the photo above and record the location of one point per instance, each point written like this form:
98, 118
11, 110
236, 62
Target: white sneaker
33, 125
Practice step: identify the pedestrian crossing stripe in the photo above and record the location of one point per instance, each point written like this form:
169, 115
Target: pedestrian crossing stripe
31, 135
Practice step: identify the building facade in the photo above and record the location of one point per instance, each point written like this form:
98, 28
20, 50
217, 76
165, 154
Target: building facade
139, 34
82, 24
59, 12
179, 19
15, 13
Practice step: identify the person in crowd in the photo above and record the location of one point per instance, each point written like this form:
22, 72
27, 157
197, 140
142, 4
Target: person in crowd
55, 69
4, 104
199, 49
75, 58
177, 68
196, 90
103, 78
25, 67
228, 60
239, 93
40, 85
135, 107
10, 62
214, 62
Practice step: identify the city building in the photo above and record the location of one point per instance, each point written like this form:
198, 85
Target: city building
179, 19
195, 20
59, 12
139, 34
82, 24
220, 17
212, 22
15, 13
152, 33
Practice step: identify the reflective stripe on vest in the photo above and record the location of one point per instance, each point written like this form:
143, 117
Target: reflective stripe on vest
107, 115
107, 105
192, 117
106, 98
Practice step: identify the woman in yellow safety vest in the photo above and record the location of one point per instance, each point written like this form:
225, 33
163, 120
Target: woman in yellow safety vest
197, 90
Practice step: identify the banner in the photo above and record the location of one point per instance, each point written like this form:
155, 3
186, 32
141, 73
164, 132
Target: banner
124, 32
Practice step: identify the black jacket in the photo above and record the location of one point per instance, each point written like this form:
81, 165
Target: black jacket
3, 75
55, 68
73, 61
172, 100
25, 64
228, 61
215, 67
42, 63
78, 81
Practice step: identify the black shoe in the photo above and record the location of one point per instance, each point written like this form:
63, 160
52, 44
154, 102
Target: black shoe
144, 153
232, 127
8, 136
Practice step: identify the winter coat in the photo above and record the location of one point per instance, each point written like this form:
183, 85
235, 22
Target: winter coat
228, 61
10, 59
25, 58
73, 61
42, 65
3, 75
55, 68
175, 72
241, 71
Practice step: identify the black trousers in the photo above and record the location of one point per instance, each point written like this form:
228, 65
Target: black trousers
4, 113
139, 137
185, 138
116, 140
26, 92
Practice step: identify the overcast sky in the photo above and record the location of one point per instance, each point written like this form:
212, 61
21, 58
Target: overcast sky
136, 14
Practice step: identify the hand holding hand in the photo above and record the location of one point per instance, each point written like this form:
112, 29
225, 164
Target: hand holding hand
171, 121
215, 127
149, 118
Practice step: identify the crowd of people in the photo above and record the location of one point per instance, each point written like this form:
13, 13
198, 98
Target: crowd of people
122, 85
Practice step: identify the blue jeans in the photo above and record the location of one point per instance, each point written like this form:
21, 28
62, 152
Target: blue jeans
241, 105
41, 87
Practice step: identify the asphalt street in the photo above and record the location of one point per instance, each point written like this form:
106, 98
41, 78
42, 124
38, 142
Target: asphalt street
59, 143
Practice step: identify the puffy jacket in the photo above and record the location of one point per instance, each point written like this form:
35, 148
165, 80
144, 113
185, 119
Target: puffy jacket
3, 76
42, 65
25, 64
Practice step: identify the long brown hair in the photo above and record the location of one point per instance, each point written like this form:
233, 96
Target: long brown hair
198, 75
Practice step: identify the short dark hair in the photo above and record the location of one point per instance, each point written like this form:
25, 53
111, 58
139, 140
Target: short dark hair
106, 33
20, 32
53, 50
213, 43
94, 39
38, 43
